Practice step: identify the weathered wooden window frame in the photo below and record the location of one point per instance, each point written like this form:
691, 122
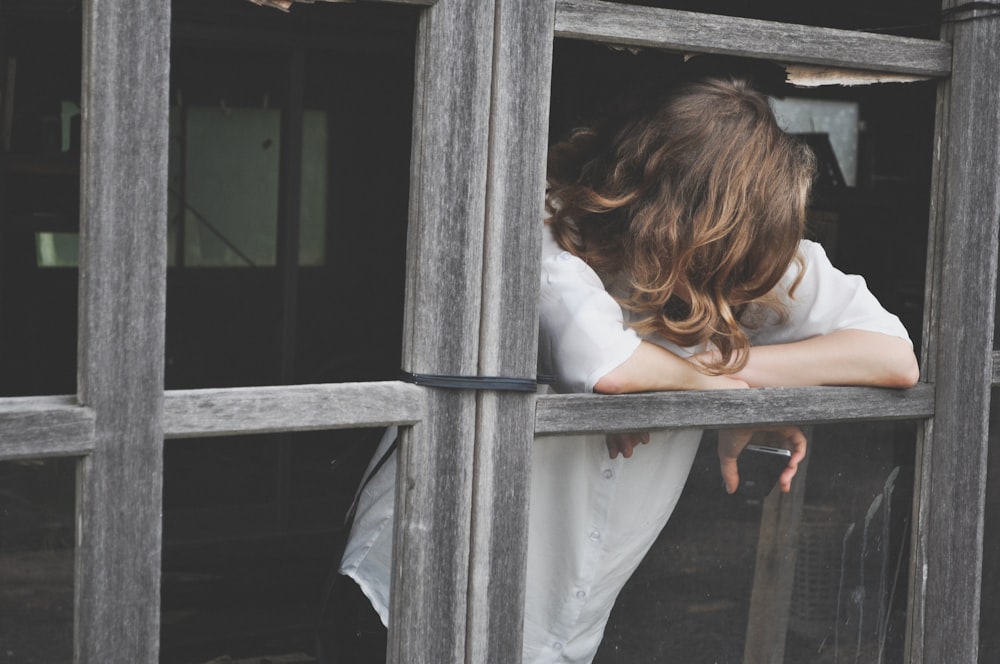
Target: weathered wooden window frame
480, 119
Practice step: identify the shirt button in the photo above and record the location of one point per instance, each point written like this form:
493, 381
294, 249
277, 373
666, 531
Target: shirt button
557, 645
608, 473
595, 536
580, 594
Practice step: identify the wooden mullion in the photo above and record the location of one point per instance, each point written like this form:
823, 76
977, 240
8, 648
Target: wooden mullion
123, 251
683, 31
509, 328
254, 410
586, 413
947, 564
441, 328
32, 427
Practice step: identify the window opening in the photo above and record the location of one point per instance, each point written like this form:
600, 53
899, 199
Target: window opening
40, 69
843, 568
37, 545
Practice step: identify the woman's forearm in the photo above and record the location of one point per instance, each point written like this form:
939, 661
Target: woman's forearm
652, 368
845, 357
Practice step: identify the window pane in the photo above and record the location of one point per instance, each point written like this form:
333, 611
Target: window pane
827, 582
37, 513
337, 314
231, 186
252, 527
312, 225
40, 56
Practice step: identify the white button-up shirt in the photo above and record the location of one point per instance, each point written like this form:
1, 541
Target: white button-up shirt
592, 518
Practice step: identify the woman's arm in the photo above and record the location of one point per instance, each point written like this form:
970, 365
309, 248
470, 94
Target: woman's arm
652, 368
844, 357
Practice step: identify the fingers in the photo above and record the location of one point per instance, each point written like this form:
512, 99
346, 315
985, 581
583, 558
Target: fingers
731, 443
796, 441
624, 443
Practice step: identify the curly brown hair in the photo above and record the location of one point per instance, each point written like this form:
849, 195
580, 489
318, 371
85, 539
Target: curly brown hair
695, 207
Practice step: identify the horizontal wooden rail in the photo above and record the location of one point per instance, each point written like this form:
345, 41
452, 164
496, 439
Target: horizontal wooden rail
33, 427
249, 410
582, 413
782, 42
422, 3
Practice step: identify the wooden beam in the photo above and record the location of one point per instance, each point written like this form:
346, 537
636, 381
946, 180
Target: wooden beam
441, 329
33, 427
690, 32
509, 329
420, 3
251, 410
947, 556
123, 253
583, 413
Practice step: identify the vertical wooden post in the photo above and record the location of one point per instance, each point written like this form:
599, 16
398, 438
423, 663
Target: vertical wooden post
441, 329
122, 302
508, 331
947, 563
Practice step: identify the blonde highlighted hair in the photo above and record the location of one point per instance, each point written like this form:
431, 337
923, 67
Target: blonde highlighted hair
696, 207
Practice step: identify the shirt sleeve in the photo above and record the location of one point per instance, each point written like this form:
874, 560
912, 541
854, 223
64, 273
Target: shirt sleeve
582, 335
826, 300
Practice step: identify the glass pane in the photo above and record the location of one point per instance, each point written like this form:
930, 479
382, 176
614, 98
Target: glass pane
37, 513
827, 583
40, 67
252, 527
312, 224
989, 637
230, 324
231, 186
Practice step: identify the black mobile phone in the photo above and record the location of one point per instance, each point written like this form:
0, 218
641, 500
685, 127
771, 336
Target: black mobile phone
760, 467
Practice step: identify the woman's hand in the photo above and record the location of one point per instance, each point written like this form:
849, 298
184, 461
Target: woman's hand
624, 443
732, 442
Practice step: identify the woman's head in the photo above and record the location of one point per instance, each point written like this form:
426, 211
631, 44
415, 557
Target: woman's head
697, 205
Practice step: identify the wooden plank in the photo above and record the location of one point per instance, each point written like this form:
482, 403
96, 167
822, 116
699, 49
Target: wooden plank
509, 329
250, 410
441, 327
421, 3
948, 554
581, 413
710, 33
123, 252
32, 427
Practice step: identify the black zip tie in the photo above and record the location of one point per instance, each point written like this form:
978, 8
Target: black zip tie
498, 383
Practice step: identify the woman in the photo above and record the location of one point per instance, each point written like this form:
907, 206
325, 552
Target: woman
672, 259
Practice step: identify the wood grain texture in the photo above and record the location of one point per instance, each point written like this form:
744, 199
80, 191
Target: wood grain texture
509, 328
250, 410
422, 3
32, 427
581, 413
948, 561
710, 33
123, 252
441, 328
